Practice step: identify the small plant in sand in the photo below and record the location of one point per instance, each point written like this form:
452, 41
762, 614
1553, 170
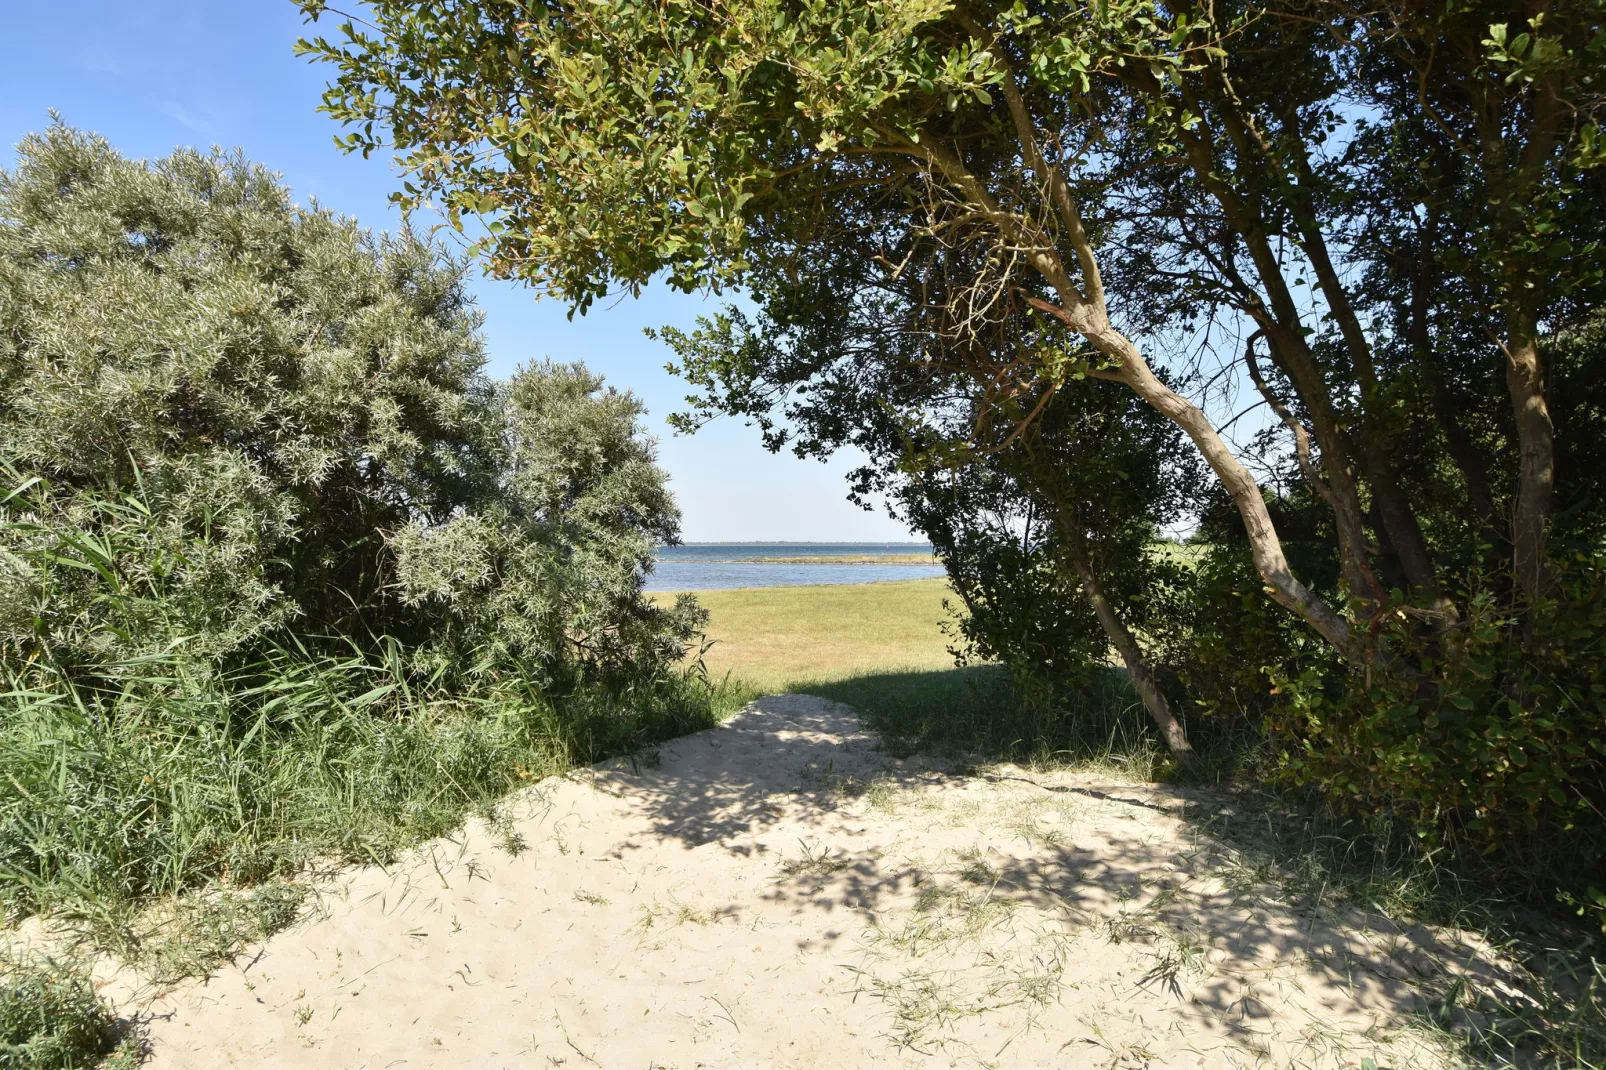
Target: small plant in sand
500, 822
980, 951
51, 1019
814, 861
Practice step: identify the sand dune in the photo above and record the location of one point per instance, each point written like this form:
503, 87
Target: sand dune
778, 892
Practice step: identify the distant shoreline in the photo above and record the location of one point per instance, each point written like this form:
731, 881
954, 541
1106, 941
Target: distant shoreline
836, 559
926, 545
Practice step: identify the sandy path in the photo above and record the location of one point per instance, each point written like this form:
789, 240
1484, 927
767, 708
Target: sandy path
779, 893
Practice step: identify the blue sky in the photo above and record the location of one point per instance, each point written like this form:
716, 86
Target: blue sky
153, 74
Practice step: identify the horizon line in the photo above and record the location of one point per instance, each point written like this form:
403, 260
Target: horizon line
795, 542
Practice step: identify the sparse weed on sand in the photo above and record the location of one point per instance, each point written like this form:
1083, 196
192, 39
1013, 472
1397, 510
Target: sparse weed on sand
961, 951
192, 935
661, 916
1549, 1012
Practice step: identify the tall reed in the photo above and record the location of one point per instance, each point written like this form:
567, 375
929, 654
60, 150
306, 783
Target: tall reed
159, 775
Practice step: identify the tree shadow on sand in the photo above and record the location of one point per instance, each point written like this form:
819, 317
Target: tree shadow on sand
1146, 867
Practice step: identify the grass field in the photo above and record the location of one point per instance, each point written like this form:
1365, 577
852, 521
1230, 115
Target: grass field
880, 648
776, 638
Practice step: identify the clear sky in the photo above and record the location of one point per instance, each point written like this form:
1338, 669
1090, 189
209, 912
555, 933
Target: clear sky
153, 74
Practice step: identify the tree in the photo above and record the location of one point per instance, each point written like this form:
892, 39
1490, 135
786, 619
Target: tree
227, 418
1045, 526
605, 145
1350, 210
1058, 525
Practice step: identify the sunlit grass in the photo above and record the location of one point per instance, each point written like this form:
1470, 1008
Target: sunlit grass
880, 648
774, 639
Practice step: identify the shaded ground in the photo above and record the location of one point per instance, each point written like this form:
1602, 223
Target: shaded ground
780, 892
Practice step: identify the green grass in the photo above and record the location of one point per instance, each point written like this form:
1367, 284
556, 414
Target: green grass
881, 648
774, 638
170, 784
51, 1019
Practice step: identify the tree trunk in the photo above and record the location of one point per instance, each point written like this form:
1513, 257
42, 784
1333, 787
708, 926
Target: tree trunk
1293, 356
1466, 455
1264, 545
1086, 313
1399, 520
1283, 326
1126, 644
1536, 481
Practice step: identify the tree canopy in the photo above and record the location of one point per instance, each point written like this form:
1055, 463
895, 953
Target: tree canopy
1384, 221
1215, 157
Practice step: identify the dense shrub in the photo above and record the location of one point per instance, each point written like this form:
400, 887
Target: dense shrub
1020, 606
51, 1019
257, 416
1492, 739
1480, 737
284, 574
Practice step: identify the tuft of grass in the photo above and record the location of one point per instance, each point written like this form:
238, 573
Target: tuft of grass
668, 915
814, 862
1557, 1020
51, 1019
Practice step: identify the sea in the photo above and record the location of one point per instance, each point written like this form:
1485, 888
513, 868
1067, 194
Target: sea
716, 566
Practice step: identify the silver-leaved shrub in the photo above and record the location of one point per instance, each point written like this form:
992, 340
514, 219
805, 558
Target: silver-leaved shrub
227, 419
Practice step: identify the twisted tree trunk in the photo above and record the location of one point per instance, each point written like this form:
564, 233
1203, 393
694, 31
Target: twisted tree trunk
1137, 666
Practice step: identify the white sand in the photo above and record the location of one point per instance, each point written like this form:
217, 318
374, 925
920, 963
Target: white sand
779, 893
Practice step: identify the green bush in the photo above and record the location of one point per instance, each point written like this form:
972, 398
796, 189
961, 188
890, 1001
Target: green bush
51, 1019
284, 575
132, 770
238, 416
1489, 737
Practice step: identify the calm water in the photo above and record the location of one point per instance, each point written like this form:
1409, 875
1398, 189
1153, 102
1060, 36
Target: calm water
708, 566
